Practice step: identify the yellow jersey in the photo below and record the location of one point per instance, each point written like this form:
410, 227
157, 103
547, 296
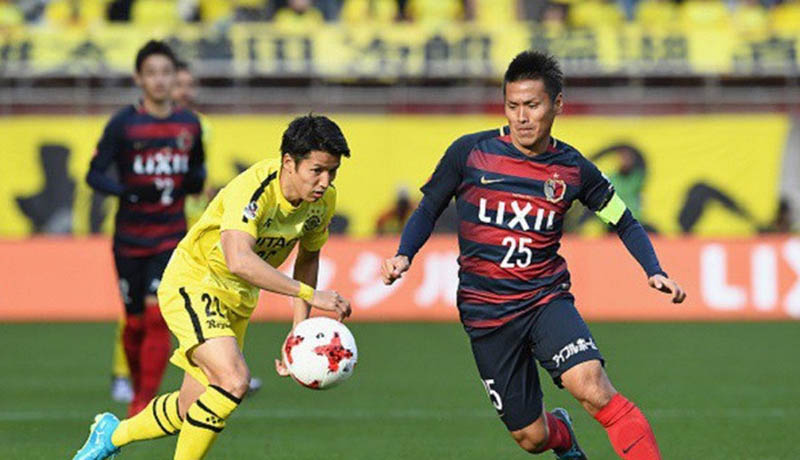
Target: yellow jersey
253, 203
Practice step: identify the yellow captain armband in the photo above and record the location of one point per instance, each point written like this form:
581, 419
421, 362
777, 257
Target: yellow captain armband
306, 292
613, 211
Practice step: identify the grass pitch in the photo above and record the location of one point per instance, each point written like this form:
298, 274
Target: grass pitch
711, 391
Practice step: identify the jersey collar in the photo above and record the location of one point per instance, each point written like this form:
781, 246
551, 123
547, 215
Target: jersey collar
505, 136
141, 109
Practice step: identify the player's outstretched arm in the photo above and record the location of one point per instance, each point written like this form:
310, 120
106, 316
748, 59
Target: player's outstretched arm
438, 192
416, 232
243, 262
637, 242
598, 194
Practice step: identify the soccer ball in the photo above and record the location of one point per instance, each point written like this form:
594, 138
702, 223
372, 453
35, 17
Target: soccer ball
320, 353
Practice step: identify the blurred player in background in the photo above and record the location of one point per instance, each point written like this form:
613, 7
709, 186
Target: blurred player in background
184, 92
211, 285
158, 157
512, 188
391, 221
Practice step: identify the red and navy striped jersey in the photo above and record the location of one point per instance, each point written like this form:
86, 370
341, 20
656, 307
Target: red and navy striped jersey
162, 155
511, 210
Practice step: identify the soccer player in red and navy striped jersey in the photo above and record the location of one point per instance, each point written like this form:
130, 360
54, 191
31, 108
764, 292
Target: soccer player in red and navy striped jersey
157, 154
512, 187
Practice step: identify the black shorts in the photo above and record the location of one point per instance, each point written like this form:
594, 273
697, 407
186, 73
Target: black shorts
554, 334
138, 278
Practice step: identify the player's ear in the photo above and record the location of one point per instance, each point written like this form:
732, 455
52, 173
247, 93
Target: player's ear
137, 78
559, 103
287, 162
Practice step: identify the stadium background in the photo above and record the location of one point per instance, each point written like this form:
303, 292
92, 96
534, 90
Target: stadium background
705, 92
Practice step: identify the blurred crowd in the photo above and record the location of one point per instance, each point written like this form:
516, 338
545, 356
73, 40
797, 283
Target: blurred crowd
779, 15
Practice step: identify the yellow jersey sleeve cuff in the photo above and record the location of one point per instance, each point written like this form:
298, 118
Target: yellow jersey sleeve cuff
613, 211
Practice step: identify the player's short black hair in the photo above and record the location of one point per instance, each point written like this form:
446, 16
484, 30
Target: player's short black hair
154, 47
536, 65
313, 132
181, 65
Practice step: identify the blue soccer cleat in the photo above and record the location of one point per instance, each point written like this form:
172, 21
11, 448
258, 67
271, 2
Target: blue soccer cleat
574, 452
98, 446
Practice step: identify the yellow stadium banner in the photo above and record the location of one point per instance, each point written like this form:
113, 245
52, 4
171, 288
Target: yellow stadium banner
388, 51
704, 174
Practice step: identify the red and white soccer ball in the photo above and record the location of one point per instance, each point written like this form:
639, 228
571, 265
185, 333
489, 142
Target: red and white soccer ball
320, 353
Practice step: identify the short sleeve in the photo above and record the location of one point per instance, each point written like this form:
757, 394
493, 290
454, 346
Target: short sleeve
597, 193
243, 202
314, 239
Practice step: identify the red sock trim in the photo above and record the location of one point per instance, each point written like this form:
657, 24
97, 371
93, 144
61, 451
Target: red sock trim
614, 410
558, 438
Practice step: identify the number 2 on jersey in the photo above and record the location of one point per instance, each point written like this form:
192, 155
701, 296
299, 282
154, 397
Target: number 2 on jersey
166, 186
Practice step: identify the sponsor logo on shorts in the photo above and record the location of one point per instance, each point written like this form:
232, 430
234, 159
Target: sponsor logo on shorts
214, 324
572, 349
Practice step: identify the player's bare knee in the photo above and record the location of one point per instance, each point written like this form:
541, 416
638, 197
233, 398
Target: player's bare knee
532, 438
235, 380
590, 385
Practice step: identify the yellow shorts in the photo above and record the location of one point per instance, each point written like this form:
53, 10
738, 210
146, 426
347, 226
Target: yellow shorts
195, 314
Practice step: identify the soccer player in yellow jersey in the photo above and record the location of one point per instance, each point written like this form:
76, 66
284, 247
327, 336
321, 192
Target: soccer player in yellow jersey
211, 284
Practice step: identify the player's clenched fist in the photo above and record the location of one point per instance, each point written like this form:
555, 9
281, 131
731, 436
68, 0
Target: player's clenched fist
393, 268
664, 284
331, 301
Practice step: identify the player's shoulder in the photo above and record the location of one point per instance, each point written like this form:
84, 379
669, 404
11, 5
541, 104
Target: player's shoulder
257, 179
187, 115
467, 142
568, 154
123, 115
262, 171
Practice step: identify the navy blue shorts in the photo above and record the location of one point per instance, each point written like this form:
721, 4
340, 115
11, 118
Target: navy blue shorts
554, 334
138, 278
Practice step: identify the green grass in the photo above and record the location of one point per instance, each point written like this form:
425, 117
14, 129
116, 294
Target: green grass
711, 391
